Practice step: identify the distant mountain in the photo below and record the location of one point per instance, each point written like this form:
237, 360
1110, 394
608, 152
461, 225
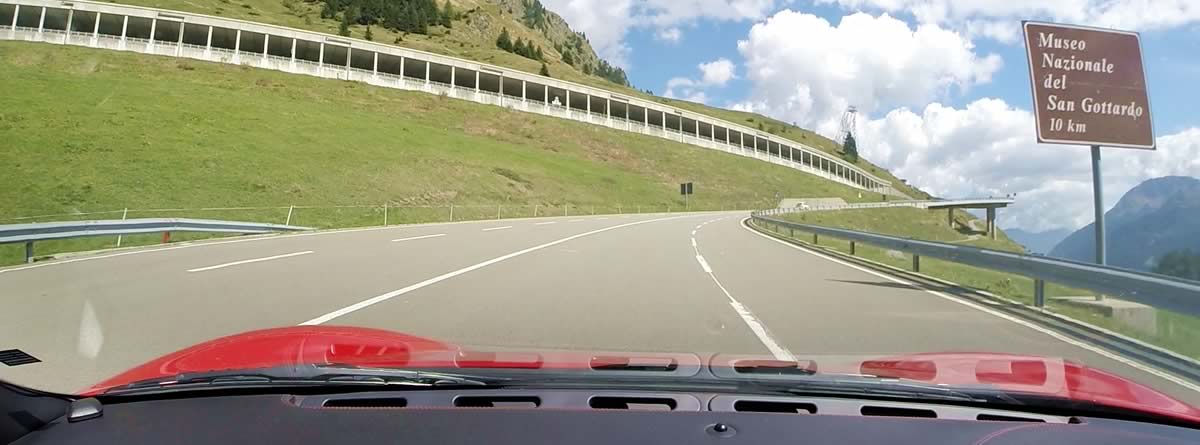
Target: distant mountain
1037, 242
1158, 216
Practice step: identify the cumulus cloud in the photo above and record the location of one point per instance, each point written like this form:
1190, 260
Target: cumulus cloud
670, 35
712, 74
989, 148
872, 62
999, 18
607, 22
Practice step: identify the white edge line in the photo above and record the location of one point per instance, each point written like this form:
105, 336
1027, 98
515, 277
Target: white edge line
393, 294
418, 237
757, 327
575, 220
497, 228
545, 223
1103, 352
255, 260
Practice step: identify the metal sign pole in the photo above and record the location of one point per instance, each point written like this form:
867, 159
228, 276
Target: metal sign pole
1098, 196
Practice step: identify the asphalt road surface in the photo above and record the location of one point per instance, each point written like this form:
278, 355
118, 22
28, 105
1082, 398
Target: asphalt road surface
661, 283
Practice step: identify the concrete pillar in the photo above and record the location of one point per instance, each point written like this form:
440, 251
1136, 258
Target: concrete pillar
237, 47
375, 65
608, 110
523, 87
568, 100
401, 68
348, 51
179, 41
153, 28
589, 106
427, 78
453, 75
208, 45
476, 81
645, 117
320, 56
546, 94
42, 22
293, 47
124, 28
17, 13
950, 217
755, 146
95, 30
664, 121
991, 222
501, 90
266, 47
70, 18
791, 155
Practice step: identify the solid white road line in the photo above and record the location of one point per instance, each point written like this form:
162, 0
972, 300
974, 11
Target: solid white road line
752, 322
497, 228
419, 237
398, 292
255, 260
545, 223
1096, 349
575, 220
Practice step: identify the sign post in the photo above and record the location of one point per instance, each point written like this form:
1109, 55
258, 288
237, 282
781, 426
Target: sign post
685, 189
1089, 88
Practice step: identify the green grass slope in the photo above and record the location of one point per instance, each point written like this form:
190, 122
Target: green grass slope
96, 130
473, 37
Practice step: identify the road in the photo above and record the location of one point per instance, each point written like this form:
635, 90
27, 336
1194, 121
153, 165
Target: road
665, 283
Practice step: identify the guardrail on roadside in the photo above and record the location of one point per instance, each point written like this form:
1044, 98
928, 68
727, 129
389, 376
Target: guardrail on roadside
1159, 291
29, 233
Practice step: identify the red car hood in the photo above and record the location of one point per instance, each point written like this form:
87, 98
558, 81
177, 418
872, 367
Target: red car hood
352, 346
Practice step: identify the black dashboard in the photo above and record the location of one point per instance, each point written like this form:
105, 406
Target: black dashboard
513, 416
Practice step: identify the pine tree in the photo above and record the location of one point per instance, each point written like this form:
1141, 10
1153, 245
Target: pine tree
447, 14
368, 35
545, 70
344, 27
327, 12
539, 54
504, 42
850, 148
519, 48
568, 58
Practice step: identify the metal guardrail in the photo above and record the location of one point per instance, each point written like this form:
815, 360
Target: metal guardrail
1159, 291
29, 233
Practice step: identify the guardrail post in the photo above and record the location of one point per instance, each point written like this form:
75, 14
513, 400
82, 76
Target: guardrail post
815, 240
792, 232
28, 252
385, 215
166, 237
1039, 293
916, 263
535, 210
499, 210
451, 212
852, 248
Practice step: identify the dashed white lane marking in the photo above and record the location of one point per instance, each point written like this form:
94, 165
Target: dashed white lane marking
255, 260
545, 223
575, 220
446, 276
497, 228
418, 237
747, 316
602, 219
1105, 353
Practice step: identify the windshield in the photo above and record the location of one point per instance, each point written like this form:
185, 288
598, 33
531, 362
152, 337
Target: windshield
967, 197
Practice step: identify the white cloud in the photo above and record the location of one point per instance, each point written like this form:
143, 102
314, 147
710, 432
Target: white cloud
874, 63
989, 148
1138, 15
607, 22
718, 72
670, 35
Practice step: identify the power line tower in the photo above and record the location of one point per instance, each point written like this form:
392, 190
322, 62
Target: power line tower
849, 125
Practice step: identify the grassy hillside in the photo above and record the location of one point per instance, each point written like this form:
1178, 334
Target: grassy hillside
97, 130
473, 37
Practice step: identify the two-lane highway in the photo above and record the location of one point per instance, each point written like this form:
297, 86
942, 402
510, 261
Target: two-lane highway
678, 282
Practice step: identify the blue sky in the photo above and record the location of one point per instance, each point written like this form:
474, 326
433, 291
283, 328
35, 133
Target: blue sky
1172, 61
942, 85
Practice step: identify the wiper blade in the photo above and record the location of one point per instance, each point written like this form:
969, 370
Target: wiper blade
305, 375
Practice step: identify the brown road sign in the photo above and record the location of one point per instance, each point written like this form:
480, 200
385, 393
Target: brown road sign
1089, 86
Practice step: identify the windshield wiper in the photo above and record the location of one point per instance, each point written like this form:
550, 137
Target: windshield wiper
304, 375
